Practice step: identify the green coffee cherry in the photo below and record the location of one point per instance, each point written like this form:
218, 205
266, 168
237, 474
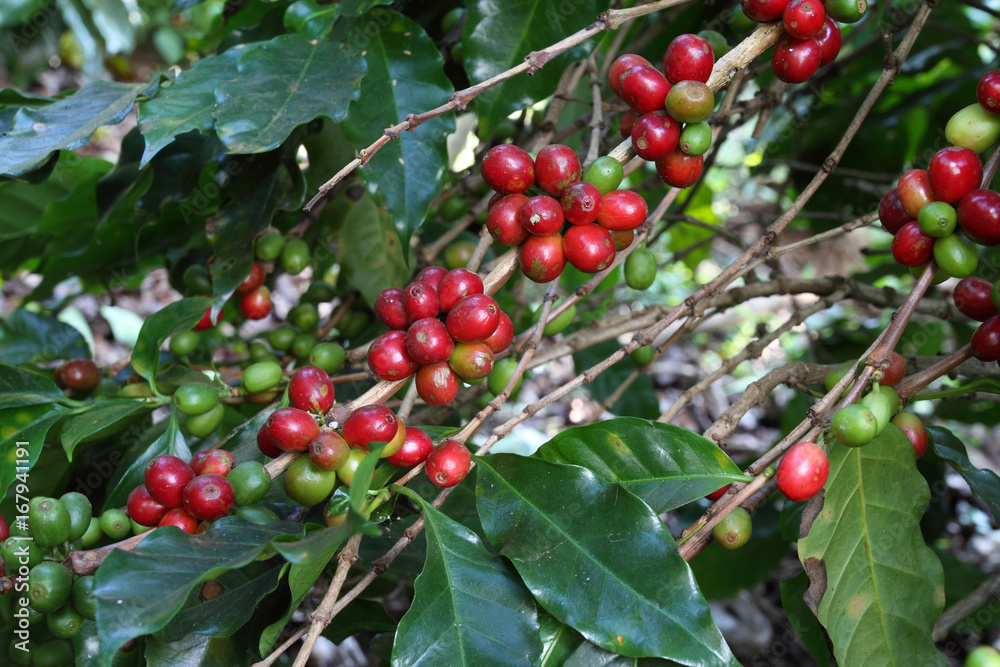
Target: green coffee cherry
257, 514
14, 550
115, 524
295, 256
196, 398
937, 219
605, 172
49, 523
555, 324
64, 623
717, 41
49, 586
640, 268
304, 316
854, 426
503, 371
261, 376
308, 484
93, 534
201, 426
269, 245
80, 513
880, 405
184, 343
250, 482
643, 356
734, 529
835, 376
345, 473
956, 256
197, 280
454, 208
281, 338
83, 597
974, 128
328, 356
696, 139
319, 291
303, 345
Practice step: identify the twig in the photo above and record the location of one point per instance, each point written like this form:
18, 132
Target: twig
596, 119
910, 385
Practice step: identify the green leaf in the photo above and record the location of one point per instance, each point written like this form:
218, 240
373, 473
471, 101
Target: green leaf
665, 465
569, 534
984, 484
28, 338
171, 563
320, 545
405, 76
878, 587
558, 640
65, 124
589, 655
194, 650
365, 470
23, 428
371, 255
174, 318
188, 103
311, 18
500, 35
640, 400
468, 608
803, 619
97, 417
300, 580
359, 7
283, 84
170, 441
20, 387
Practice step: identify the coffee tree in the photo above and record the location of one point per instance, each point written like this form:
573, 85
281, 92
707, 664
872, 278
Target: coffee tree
502, 333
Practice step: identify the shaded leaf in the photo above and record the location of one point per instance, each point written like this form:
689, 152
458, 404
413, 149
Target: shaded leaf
803, 619
300, 580
174, 318
97, 417
359, 7
371, 255
23, 428
320, 545
170, 441
589, 655
27, 337
20, 387
359, 616
311, 18
194, 650
558, 640
985, 484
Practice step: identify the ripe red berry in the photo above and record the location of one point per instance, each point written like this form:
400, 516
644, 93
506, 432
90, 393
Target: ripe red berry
292, 429
437, 384
623, 238
988, 91
265, 444
432, 275
508, 169
542, 215
504, 221
891, 213
458, 284
911, 247
473, 319
589, 248
208, 497
680, 170
829, 38
979, 216
501, 339
626, 123
644, 88
954, 172
206, 321
763, 11
328, 450
371, 423
214, 462
972, 298
389, 359
428, 342
471, 361
252, 281
718, 493
78, 374
256, 305
580, 203
795, 60
688, 58
622, 210
180, 518
310, 388
542, 258
655, 135
802, 471
622, 64
803, 18
915, 191
896, 371
448, 464
556, 168
913, 429
415, 449
165, 477
421, 300
143, 508
390, 310
986, 340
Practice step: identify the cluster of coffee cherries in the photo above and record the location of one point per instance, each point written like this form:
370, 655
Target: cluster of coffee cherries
661, 103
443, 328
254, 298
978, 299
812, 37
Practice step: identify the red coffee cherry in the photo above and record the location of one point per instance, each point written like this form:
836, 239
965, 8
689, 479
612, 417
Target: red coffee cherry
830, 39
891, 213
473, 319
644, 88
589, 247
626, 123
622, 237
328, 450
389, 358
795, 60
680, 170
913, 429
292, 429
180, 518
459, 283
622, 210
911, 247
504, 221
988, 91
389, 309
688, 58
954, 172
763, 11
213, 462
165, 477
718, 493
972, 298
802, 471
428, 342
655, 135
471, 361
448, 464
915, 191
432, 275
986, 340
252, 281
580, 203
803, 18
542, 258
206, 321
78, 375
371, 423
437, 384
556, 168
622, 64
421, 300
208, 497
508, 169
143, 508
896, 371
979, 216
265, 444
501, 339
542, 215
415, 449
310, 388
256, 305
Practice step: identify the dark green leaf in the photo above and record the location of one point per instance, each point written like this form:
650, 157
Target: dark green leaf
360, 616
665, 465
589, 655
177, 317
558, 640
365, 471
371, 255
568, 534
283, 84
23, 428
194, 650
359, 7
468, 608
320, 544
171, 563
405, 75
87, 650
803, 619
27, 337
879, 588
300, 580
640, 400
311, 18
984, 484
65, 124
98, 417
20, 387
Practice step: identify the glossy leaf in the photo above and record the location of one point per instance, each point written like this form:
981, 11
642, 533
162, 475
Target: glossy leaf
174, 318
469, 607
321, 544
371, 255
97, 418
803, 619
65, 124
558, 640
20, 387
985, 484
169, 441
172, 563
879, 588
405, 75
359, 7
283, 84
27, 337
590, 655
665, 465
568, 533
300, 581
194, 650
23, 428
311, 18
